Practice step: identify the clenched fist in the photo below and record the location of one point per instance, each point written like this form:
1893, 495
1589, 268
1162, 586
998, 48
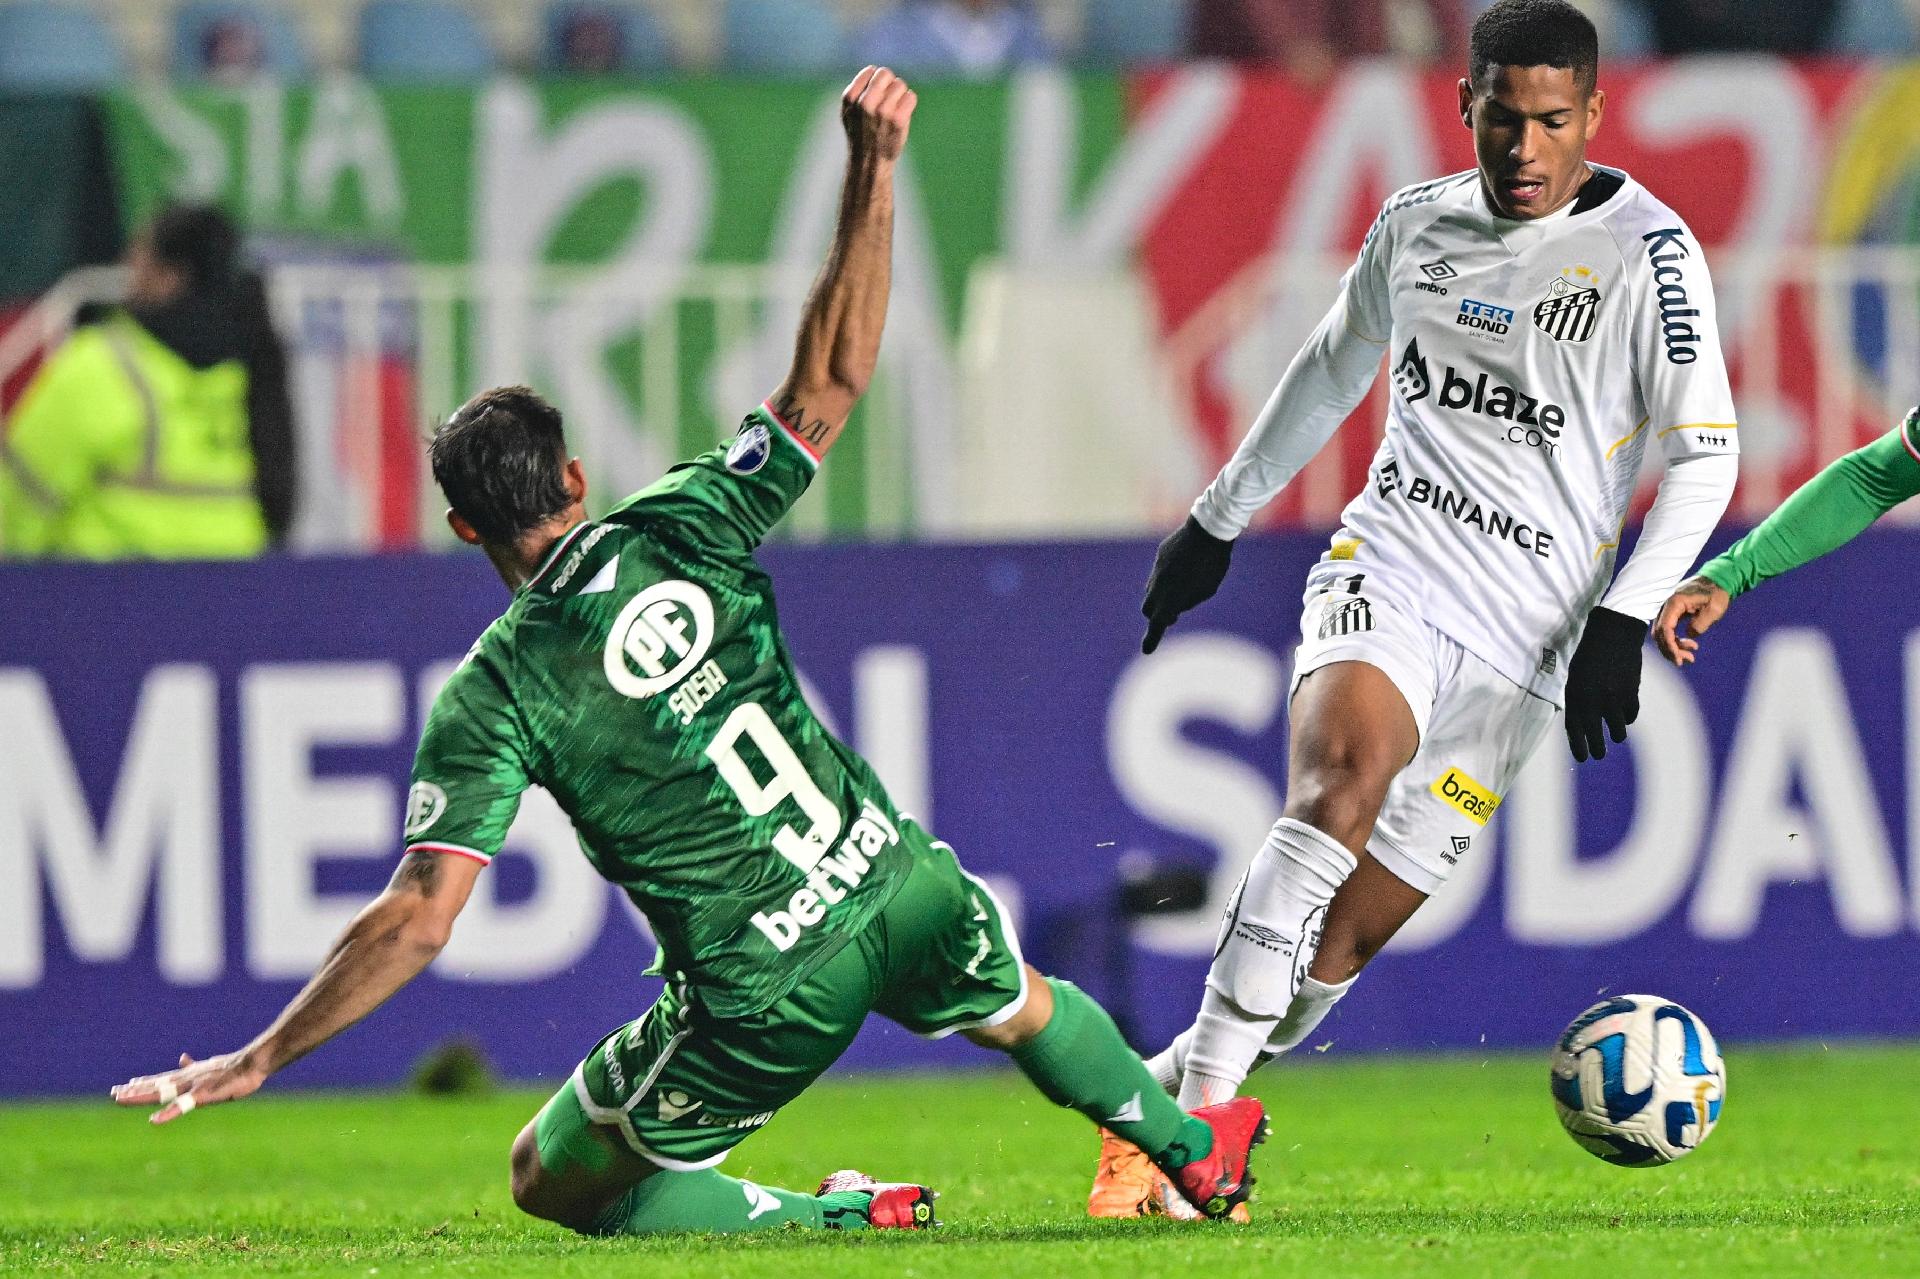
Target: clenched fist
875, 111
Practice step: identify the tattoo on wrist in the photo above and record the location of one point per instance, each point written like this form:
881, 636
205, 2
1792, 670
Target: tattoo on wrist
794, 414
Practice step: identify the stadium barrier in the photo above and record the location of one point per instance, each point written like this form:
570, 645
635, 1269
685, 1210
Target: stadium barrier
1097, 277
1053, 421
205, 769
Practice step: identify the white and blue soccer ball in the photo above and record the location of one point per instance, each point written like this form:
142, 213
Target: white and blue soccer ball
1638, 1080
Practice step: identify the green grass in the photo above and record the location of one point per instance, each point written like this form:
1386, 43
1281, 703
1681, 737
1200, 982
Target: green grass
1441, 1166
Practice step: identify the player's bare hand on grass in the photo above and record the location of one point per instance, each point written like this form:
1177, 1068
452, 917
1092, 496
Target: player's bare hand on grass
1699, 603
1187, 569
194, 1084
875, 111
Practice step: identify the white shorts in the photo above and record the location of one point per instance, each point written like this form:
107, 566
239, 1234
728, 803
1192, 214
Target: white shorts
1477, 727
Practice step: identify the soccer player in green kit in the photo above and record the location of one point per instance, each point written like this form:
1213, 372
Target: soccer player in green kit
639, 676
1822, 515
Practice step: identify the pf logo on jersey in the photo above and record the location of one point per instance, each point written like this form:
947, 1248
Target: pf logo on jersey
425, 803
659, 637
1572, 304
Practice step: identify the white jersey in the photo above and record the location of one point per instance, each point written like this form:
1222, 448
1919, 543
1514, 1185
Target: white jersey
1531, 363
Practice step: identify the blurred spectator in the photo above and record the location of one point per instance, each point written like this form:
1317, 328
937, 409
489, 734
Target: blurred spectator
1311, 37
232, 49
591, 42
1880, 28
1741, 26
161, 429
955, 37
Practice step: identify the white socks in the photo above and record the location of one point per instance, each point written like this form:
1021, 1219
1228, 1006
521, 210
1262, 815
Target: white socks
1311, 1004
1310, 1007
1171, 1064
1225, 1042
1266, 943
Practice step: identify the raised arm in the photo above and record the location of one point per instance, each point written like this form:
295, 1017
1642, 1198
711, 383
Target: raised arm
386, 946
839, 340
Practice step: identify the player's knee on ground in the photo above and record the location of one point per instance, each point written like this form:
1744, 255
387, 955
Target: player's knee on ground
538, 1193
529, 1192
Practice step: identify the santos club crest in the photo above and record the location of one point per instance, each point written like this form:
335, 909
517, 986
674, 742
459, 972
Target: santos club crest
1572, 303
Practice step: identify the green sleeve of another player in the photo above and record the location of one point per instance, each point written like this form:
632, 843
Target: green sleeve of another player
730, 497
1826, 512
471, 768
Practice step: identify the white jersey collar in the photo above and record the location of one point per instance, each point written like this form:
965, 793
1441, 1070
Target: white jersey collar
1520, 235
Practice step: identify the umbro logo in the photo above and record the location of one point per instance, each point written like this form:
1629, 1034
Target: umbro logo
1435, 272
1263, 937
1460, 845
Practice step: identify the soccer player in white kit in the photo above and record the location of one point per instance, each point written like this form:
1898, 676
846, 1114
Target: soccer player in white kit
1545, 321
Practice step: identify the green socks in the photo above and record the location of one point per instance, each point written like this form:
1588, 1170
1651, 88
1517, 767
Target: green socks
710, 1202
705, 1202
1080, 1061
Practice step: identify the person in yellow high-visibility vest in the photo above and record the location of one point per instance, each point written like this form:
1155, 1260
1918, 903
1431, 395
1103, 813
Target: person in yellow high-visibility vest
161, 429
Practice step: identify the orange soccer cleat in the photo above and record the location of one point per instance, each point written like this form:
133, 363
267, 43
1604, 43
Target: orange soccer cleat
1124, 1184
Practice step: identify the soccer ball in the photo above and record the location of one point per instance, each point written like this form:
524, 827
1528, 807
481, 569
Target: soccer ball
1638, 1080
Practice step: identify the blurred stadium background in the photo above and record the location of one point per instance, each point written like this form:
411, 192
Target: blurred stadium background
1107, 249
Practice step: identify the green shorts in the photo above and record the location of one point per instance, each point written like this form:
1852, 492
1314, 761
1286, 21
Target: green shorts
683, 1087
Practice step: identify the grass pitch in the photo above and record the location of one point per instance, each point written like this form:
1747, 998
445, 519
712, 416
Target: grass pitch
1434, 1166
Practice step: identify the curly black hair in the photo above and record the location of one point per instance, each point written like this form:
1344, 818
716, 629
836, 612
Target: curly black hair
1534, 33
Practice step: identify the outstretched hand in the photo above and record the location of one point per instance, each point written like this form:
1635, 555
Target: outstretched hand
193, 1085
875, 111
1698, 602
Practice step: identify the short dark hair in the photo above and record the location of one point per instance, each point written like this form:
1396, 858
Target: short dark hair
197, 240
1534, 33
500, 459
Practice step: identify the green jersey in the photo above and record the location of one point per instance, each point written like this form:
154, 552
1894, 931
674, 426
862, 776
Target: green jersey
1826, 512
641, 678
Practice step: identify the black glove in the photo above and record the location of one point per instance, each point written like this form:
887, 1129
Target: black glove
1187, 570
1603, 682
